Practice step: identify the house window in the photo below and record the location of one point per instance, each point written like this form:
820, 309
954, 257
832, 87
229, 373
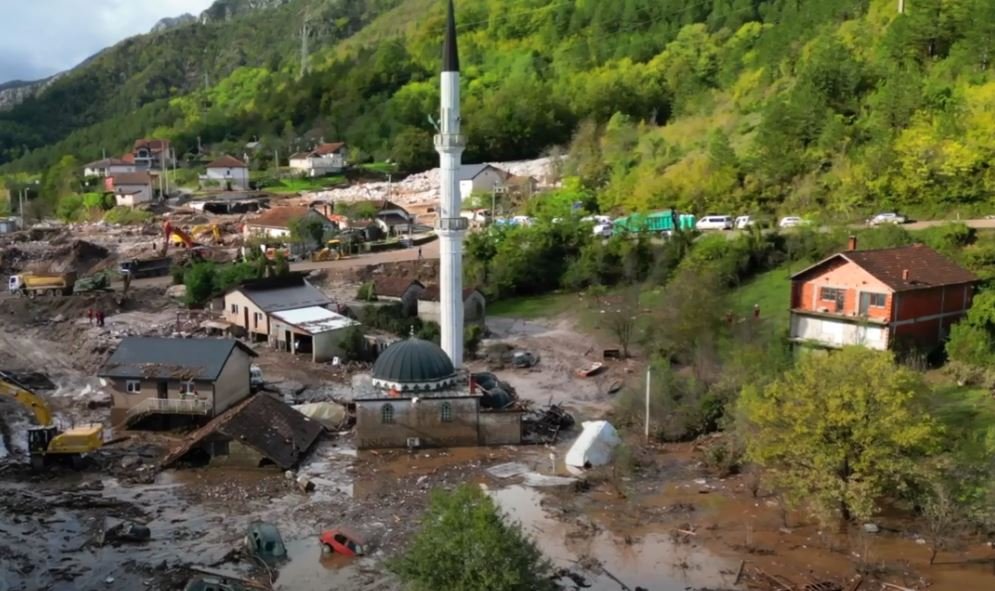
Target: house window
447, 412
188, 388
234, 308
257, 317
387, 414
877, 300
830, 294
133, 386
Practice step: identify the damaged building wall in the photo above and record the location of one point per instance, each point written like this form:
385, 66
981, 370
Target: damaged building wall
123, 400
241, 311
227, 452
425, 419
500, 427
233, 384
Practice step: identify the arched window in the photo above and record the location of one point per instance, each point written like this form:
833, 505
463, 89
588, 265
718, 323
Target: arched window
387, 414
447, 412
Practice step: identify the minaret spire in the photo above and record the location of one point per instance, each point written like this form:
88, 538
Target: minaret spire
449, 143
450, 51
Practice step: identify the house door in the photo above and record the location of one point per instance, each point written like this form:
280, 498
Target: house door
162, 390
865, 304
246, 311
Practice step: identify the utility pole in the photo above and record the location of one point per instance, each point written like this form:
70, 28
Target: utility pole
647, 403
901, 6
276, 158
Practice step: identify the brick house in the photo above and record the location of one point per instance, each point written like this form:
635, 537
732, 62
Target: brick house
474, 306
882, 299
398, 289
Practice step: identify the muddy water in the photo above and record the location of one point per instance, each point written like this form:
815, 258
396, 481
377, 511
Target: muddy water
645, 557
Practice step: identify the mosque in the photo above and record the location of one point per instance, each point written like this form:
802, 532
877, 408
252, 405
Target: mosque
421, 396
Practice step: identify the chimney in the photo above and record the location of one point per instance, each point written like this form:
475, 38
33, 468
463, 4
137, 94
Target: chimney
851, 243
905, 274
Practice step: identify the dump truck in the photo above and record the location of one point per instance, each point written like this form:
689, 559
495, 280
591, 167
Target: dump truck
42, 283
45, 439
154, 267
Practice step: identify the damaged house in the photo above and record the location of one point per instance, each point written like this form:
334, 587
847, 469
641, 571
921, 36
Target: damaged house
176, 381
261, 431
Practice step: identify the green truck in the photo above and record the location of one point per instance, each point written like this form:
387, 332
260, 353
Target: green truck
657, 222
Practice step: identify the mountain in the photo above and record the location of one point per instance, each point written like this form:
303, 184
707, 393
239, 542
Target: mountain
15, 92
168, 23
718, 105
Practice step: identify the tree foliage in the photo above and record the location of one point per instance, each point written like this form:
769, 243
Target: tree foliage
465, 544
840, 431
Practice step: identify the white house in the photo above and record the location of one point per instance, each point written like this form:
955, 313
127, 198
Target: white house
480, 178
152, 154
275, 223
323, 159
108, 167
130, 188
229, 172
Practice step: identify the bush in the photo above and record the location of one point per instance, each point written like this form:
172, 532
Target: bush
127, 216
472, 335
365, 293
354, 344
466, 544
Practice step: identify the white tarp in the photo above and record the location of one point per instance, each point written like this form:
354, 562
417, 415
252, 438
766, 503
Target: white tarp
328, 414
595, 445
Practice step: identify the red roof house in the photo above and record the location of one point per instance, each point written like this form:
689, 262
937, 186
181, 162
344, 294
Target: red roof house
907, 296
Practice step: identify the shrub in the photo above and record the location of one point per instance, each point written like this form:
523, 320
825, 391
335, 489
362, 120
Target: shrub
365, 293
127, 216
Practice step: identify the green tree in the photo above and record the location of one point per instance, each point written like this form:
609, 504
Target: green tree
308, 231
840, 431
465, 544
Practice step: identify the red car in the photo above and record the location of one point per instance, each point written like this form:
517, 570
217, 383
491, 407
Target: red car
341, 541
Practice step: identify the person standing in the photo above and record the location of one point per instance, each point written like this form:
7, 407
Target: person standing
89, 315
100, 317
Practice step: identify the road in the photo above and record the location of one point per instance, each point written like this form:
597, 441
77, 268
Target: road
428, 251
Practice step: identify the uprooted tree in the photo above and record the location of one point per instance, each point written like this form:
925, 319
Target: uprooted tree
466, 544
840, 430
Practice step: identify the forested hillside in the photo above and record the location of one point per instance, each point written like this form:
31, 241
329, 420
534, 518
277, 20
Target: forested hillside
733, 105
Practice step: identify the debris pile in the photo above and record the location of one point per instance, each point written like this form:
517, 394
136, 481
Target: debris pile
544, 425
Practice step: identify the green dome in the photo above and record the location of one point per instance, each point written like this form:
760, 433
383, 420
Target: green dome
413, 365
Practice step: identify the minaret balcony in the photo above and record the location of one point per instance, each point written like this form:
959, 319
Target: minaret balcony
452, 224
450, 141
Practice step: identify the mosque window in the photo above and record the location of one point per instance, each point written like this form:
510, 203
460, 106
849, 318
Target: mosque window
387, 414
447, 412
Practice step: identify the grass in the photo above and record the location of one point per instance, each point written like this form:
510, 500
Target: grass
381, 167
296, 185
770, 290
542, 306
968, 413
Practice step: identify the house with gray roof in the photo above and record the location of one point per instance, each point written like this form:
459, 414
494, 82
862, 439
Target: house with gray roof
176, 381
251, 305
480, 178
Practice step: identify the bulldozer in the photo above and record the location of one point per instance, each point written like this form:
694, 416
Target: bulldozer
331, 252
46, 440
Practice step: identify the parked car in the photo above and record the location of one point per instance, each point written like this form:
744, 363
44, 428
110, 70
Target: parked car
886, 218
745, 221
341, 541
715, 222
263, 539
791, 221
603, 230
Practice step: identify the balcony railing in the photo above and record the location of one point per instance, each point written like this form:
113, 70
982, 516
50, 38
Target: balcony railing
444, 141
172, 406
452, 224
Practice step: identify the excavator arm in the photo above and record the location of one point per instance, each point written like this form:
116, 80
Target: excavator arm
9, 388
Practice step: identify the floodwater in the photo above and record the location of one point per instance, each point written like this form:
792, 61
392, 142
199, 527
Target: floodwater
647, 557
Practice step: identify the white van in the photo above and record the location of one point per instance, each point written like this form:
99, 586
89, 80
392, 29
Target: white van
714, 222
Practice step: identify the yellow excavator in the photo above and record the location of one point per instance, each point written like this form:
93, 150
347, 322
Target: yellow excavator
331, 252
46, 440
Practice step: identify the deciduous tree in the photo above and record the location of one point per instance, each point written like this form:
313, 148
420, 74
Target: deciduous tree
840, 431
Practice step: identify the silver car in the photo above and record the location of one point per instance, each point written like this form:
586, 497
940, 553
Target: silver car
886, 218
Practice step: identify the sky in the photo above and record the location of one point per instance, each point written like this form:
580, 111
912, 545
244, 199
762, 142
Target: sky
42, 37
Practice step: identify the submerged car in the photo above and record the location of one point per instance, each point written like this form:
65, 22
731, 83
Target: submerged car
263, 539
341, 541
